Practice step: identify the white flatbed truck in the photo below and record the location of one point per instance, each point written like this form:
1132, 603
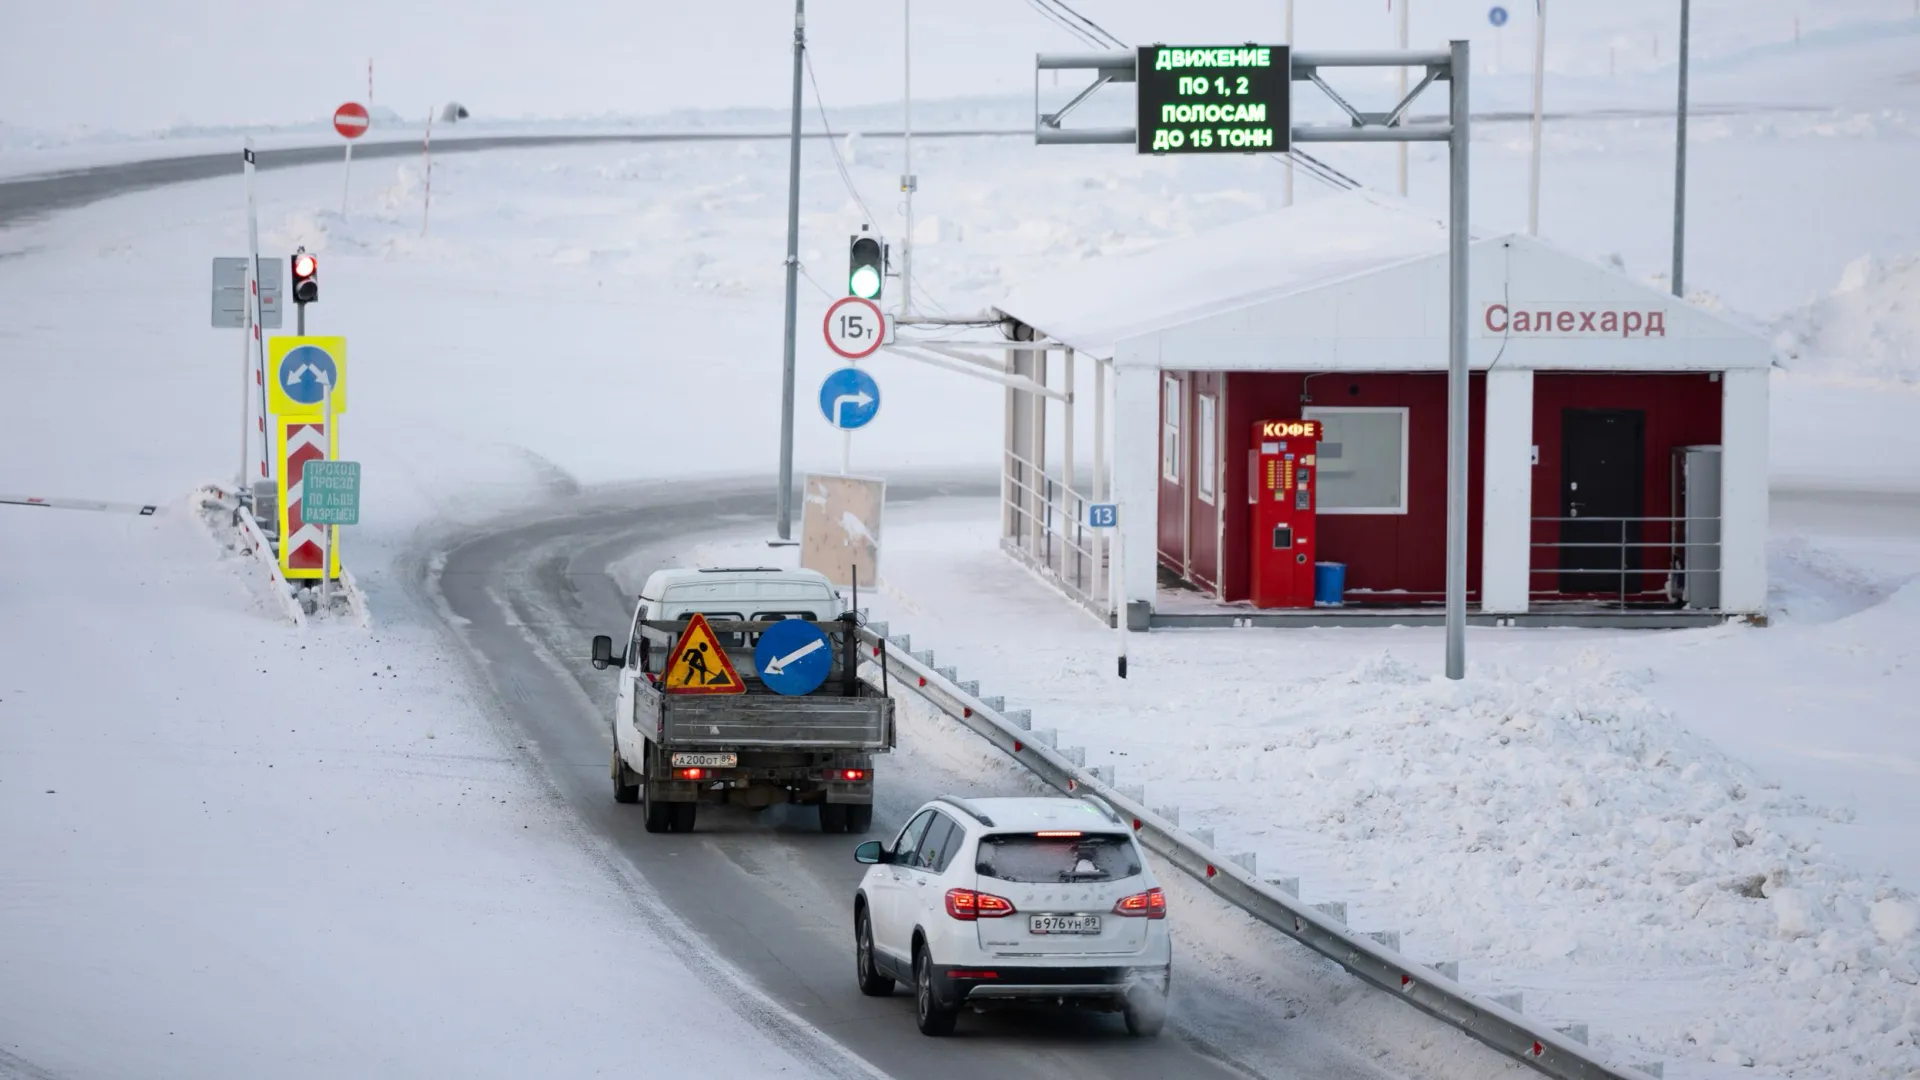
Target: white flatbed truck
756, 748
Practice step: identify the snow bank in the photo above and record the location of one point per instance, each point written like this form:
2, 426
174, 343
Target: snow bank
1558, 818
1867, 327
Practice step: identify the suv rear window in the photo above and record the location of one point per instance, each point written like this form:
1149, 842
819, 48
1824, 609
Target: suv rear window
1030, 858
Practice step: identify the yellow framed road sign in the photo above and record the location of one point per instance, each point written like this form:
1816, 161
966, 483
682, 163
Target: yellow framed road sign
699, 665
299, 372
302, 439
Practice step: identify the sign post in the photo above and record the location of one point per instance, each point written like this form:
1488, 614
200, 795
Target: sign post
351, 121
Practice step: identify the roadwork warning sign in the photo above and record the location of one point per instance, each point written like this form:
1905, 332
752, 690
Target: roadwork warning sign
699, 665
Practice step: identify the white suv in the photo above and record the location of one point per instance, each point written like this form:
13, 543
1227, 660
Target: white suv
990, 901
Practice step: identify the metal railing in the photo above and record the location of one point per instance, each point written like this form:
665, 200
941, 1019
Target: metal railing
1622, 580
1552, 1050
1044, 526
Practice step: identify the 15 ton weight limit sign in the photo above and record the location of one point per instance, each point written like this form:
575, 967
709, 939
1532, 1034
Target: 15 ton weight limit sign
1214, 99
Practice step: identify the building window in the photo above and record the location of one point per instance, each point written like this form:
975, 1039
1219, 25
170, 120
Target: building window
1207, 442
1363, 460
1170, 430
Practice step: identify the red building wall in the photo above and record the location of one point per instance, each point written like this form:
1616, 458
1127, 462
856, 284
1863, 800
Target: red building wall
1681, 410
1382, 551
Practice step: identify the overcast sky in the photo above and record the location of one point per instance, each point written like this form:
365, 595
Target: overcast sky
139, 65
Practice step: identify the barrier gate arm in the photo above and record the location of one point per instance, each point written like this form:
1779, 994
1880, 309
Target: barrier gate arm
1505, 1030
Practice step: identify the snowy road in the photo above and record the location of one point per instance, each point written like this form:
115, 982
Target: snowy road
771, 894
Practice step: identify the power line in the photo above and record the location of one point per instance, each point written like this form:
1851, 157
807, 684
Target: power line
1089, 23
1059, 12
1055, 18
838, 162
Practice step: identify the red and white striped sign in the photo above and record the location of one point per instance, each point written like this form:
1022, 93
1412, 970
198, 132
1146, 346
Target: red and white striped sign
351, 120
301, 544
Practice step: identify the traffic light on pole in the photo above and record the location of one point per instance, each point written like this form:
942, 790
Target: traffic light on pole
867, 266
306, 278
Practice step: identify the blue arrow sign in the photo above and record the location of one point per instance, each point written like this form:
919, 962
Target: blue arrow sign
794, 657
306, 372
849, 398
1498, 16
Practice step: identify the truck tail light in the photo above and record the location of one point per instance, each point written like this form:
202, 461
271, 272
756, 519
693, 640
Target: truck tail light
1151, 904
692, 774
968, 905
849, 774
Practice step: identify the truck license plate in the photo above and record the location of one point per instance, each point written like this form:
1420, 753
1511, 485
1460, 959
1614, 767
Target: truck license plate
706, 761
1063, 924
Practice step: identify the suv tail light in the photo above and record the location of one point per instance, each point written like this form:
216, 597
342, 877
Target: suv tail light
1151, 904
968, 905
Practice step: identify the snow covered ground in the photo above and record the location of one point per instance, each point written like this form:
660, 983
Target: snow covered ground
569, 314
227, 849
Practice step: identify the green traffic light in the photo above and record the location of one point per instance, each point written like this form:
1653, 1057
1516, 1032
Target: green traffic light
864, 282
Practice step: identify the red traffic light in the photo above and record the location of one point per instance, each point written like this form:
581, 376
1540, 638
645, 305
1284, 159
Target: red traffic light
304, 265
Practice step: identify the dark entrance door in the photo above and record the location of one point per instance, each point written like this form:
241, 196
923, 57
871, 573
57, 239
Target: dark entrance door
1602, 470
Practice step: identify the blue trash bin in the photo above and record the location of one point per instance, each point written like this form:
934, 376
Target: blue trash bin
1329, 584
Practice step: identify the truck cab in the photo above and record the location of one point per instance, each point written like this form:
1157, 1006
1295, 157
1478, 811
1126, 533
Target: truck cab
756, 747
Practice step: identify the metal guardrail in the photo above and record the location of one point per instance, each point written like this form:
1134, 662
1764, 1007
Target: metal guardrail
1047, 531
1532, 1043
1675, 574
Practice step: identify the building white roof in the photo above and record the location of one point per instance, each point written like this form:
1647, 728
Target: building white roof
1358, 282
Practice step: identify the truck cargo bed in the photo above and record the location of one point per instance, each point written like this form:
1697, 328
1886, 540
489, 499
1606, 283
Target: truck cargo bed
823, 722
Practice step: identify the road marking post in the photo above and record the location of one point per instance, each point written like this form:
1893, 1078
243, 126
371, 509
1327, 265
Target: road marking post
1106, 516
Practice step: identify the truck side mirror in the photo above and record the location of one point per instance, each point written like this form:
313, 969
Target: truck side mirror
870, 852
602, 651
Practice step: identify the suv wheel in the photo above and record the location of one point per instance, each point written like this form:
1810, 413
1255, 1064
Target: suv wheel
935, 1016
872, 983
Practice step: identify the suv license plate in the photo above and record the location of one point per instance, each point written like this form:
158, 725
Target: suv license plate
1063, 924
708, 761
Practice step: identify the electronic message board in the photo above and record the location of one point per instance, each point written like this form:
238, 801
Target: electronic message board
1214, 99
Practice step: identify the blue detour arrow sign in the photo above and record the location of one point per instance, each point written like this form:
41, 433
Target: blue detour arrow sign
849, 398
794, 657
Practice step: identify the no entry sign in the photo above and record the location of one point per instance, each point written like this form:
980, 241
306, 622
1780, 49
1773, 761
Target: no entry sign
350, 120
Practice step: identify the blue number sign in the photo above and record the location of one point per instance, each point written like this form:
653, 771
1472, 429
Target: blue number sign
1103, 515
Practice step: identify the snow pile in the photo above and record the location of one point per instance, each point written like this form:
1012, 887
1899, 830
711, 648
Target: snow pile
1527, 821
1867, 327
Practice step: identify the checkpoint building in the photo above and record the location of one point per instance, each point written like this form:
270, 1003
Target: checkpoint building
1618, 436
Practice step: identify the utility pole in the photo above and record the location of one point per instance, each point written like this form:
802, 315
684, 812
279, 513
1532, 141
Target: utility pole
908, 182
785, 495
1289, 181
1459, 113
1680, 165
1400, 80
1539, 90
